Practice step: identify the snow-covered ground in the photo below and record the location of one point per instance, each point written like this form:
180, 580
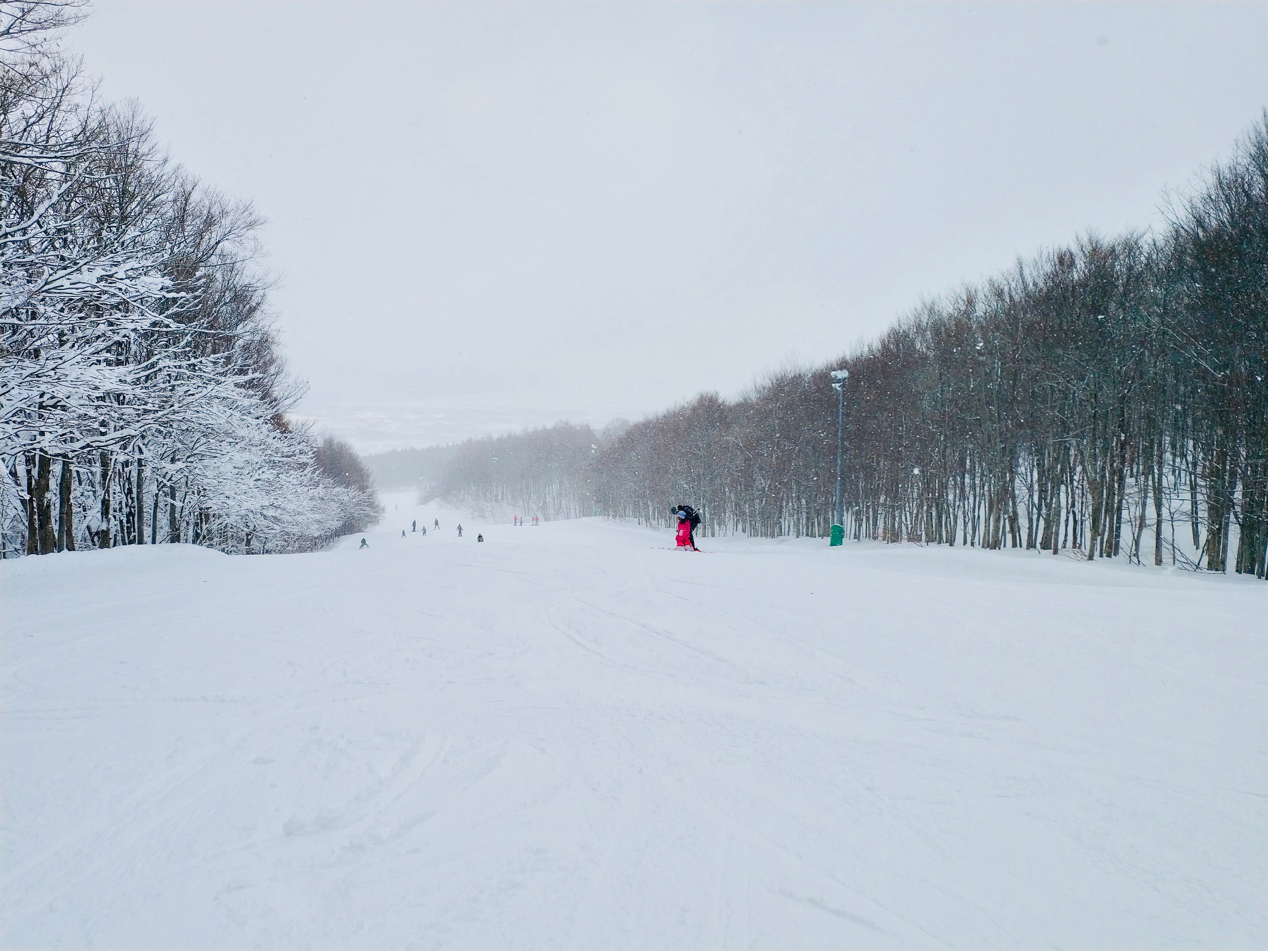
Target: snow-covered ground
568, 736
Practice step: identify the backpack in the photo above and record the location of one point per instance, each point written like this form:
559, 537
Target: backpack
693, 517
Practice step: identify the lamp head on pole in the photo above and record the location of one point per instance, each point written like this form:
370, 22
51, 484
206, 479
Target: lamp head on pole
839, 377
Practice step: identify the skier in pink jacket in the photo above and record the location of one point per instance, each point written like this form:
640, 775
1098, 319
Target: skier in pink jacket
688, 520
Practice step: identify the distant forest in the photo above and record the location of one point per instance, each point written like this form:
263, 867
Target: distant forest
1107, 398
143, 397
401, 468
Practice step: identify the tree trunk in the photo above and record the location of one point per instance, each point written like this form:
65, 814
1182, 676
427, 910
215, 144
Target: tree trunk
44, 504
65, 510
103, 534
1094, 518
1194, 524
1014, 528
1221, 485
32, 517
1139, 533
139, 505
1120, 489
1158, 506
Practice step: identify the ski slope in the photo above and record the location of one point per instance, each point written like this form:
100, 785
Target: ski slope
571, 736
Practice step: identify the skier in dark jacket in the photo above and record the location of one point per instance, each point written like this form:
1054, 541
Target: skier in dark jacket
691, 517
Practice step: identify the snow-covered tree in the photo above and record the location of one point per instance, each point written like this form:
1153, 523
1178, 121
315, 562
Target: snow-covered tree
137, 368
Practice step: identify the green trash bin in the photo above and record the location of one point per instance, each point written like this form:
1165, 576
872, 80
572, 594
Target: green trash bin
838, 535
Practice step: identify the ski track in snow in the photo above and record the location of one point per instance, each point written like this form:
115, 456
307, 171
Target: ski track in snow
570, 736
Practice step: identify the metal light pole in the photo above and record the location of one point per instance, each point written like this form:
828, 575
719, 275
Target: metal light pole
838, 509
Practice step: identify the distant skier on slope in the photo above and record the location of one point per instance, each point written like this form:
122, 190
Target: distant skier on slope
413, 526
437, 526
688, 522
459, 529
364, 544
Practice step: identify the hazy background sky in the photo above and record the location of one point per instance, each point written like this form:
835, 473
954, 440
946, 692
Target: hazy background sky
488, 216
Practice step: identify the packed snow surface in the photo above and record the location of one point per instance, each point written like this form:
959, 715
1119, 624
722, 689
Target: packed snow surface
571, 736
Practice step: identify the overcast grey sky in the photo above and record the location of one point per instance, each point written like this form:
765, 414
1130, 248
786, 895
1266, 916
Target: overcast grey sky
486, 216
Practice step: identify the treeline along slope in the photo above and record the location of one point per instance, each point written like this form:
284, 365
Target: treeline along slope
142, 395
1107, 398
